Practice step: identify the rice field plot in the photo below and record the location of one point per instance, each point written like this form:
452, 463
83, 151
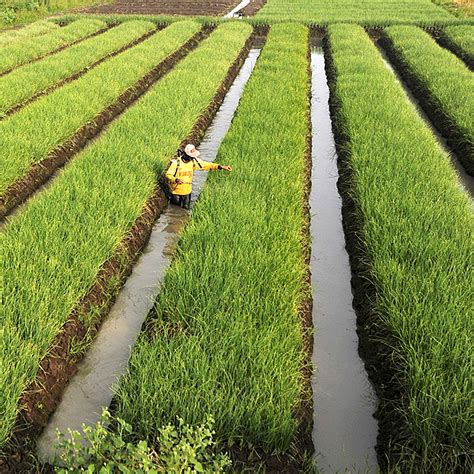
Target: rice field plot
37, 78
65, 119
460, 40
410, 227
33, 30
56, 247
229, 334
29, 49
441, 81
366, 12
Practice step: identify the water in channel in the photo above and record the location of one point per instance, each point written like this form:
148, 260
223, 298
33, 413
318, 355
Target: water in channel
345, 431
235, 10
106, 361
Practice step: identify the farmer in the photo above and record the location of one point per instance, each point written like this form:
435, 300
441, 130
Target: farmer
180, 174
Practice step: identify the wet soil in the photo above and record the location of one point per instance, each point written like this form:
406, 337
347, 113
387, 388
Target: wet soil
345, 431
167, 7
42, 171
40, 399
458, 140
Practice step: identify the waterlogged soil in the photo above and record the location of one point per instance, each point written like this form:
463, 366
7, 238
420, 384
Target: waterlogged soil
167, 7
345, 431
92, 387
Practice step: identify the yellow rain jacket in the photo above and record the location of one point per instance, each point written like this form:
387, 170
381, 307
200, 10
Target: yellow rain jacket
178, 169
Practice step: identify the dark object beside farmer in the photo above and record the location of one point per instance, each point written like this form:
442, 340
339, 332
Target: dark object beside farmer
180, 174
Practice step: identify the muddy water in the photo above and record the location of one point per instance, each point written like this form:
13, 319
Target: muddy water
345, 431
91, 389
466, 181
239, 7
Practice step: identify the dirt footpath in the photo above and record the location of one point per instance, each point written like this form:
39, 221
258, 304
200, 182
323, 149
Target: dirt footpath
167, 7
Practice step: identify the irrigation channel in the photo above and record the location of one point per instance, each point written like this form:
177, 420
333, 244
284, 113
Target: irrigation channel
345, 431
106, 361
466, 182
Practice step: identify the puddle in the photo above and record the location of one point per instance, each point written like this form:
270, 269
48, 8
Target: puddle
345, 432
235, 10
466, 181
91, 389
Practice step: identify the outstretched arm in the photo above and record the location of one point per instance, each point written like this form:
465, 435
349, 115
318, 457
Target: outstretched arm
208, 166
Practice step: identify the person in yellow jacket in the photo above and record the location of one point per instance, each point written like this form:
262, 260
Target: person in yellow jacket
180, 174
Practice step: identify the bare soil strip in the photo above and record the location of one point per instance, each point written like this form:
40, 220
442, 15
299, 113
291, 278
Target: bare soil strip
167, 7
42, 171
62, 48
78, 74
56, 369
253, 7
455, 138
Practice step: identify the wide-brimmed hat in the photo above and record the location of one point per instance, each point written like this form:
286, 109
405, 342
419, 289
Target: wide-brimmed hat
191, 151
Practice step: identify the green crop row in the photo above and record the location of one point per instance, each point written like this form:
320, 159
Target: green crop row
56, 117
34, 29
28, 49
460, 40
53, 250
415, 237
368, 12
24, 82
442, 82
226, 335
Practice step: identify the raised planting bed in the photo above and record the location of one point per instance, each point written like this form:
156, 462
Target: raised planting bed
34, 29
366, 12
409, 227
29, 49
442, 83
65, 120
167, 7
230, 334
68, 252
26, 83
460, 40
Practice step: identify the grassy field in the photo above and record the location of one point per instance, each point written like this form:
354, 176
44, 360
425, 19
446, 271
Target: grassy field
32, 79
416, 232
34, 29
242, 334
460, 40
55, 248
367, 12
28, 49
444, 84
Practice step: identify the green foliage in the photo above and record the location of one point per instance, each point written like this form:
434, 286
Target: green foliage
56, 117
418, 231
445, 80
367, 12
29, 31
24, 82
54, 248
108, 447
237, 281
463, 38
27, 49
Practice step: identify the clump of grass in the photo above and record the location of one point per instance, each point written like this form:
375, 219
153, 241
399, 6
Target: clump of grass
238, 279
460, 39
417, 234
34, 29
